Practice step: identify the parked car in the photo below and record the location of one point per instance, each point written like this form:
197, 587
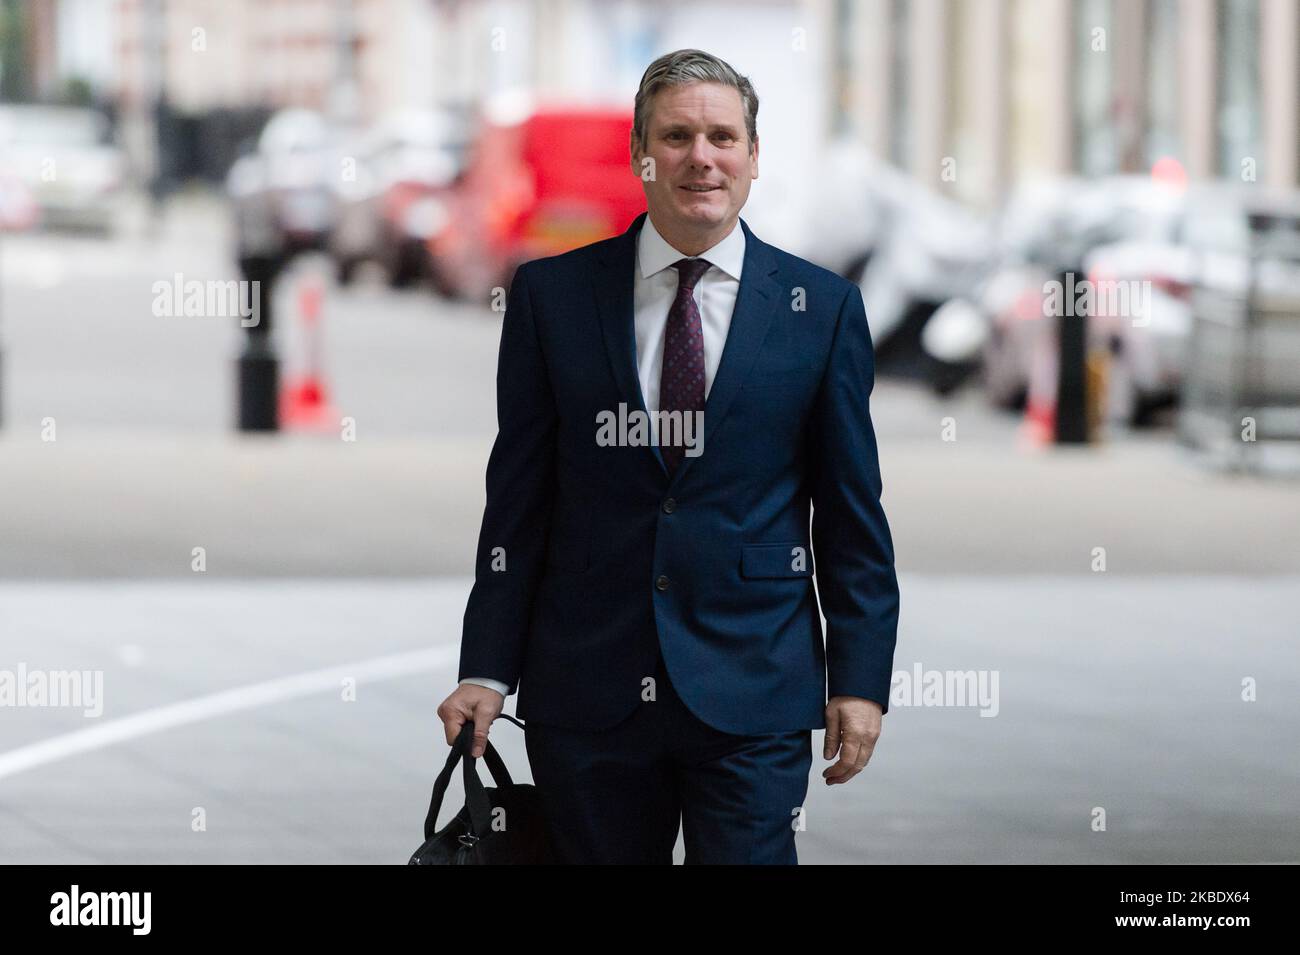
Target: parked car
66, 163
1210, 249
1058, 232
907, 247
395, 203
284, 190
537, 182
1153, 242
934, 250
1033, 243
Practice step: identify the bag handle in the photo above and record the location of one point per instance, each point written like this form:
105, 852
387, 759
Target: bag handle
480, 807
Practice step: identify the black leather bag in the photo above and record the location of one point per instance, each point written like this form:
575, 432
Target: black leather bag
519, 837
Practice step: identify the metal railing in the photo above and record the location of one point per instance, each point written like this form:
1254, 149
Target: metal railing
1241, 387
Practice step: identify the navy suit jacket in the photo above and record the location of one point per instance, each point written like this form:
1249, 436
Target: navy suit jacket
591, 559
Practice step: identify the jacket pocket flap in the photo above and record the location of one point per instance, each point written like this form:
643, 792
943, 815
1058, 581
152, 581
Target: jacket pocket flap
775, 560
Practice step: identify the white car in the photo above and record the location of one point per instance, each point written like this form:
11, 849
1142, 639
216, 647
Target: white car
1210, 256
284, 192
1084, 231
66, 161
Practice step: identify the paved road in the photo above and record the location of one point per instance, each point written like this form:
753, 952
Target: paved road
128, 505
1115, 692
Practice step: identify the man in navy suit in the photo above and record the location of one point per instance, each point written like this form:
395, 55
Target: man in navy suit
683, 426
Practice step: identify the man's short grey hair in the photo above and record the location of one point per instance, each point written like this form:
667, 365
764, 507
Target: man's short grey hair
682, 67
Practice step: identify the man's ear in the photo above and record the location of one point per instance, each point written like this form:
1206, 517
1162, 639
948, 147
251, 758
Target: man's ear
753, 160
633, 145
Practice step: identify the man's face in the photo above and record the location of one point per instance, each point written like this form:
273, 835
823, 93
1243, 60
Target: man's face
703, 163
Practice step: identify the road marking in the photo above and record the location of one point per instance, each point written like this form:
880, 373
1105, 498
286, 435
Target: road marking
220, 704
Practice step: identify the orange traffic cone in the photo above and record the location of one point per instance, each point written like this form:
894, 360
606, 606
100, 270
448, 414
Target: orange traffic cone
304, 401
1038, 426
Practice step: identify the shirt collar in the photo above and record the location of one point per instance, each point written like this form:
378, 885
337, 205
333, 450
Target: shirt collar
654, 254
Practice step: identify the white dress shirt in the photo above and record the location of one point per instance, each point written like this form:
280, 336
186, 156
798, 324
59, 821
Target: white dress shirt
655, 287
653, 291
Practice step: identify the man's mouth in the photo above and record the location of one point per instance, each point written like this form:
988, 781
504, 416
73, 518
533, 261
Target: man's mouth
701, 187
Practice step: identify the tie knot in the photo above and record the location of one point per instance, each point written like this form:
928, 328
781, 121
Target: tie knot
689, 272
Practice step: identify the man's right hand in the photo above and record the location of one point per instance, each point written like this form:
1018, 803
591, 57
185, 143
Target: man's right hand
471, 702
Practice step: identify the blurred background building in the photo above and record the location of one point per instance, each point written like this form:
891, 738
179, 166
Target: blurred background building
1024, 87
1010, 86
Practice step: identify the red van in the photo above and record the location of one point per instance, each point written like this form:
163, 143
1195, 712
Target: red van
558, 180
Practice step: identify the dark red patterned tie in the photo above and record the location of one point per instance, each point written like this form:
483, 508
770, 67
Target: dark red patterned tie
681, 383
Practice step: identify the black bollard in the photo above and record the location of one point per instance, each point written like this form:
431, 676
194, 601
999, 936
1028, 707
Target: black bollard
258, 366
1071, 383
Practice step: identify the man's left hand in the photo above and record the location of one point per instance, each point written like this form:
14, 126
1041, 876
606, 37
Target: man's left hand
852, 728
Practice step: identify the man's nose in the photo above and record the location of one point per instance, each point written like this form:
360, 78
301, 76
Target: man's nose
701, 152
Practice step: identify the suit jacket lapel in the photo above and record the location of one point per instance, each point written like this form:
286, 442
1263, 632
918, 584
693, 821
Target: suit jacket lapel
756, 303
613, 285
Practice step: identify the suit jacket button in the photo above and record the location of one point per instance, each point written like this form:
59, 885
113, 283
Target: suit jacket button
669, 506
662, 582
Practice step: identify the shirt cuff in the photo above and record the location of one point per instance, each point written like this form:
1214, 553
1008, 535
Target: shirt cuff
490, 684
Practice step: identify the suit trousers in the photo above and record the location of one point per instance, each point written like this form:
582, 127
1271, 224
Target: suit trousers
617, 796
